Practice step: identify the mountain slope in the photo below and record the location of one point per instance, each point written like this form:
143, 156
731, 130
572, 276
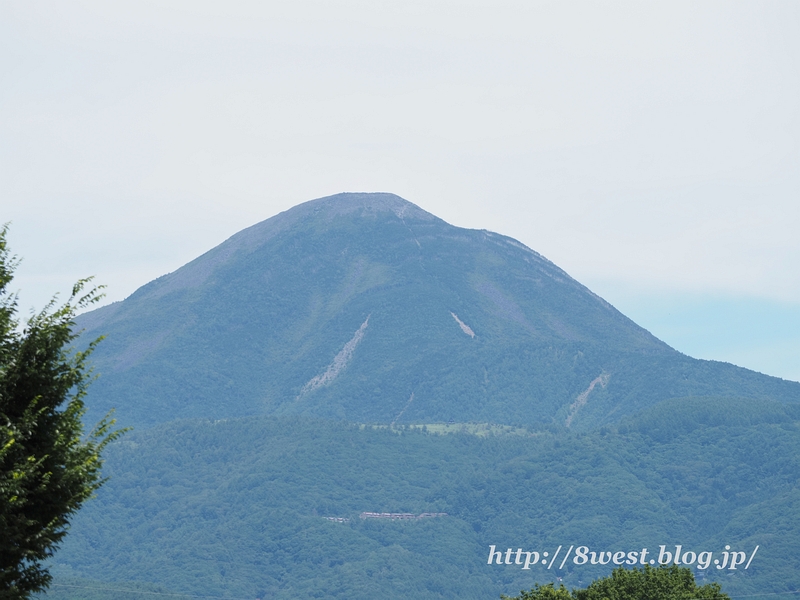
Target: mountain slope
364, 307
238, 507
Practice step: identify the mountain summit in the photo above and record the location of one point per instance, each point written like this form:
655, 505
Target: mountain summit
364, 307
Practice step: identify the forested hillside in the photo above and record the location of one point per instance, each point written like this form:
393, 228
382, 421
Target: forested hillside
239, 507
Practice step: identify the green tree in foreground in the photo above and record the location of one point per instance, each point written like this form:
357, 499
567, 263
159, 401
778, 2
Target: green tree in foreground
47, 470
543, 592
661, 583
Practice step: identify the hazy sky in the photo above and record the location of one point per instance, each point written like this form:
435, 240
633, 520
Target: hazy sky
649, 149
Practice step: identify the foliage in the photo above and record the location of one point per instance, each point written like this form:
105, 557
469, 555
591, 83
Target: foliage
46, 470
236, 507
542, 592
661, 583
81, 589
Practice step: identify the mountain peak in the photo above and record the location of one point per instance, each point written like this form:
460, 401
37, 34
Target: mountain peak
365, 307
364, 204
322, 211
326, 209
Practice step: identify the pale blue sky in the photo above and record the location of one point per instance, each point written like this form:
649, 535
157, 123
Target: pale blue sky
649, 149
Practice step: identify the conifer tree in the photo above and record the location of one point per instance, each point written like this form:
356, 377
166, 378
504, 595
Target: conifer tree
48, 468
659, 583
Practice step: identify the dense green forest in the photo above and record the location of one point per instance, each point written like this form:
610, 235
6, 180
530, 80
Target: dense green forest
238, 507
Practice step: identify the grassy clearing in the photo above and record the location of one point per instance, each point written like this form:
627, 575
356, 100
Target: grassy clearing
479, 429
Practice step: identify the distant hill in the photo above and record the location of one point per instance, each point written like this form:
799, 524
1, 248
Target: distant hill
366, 308
242, 508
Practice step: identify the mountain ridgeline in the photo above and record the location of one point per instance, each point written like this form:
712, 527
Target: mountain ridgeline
365, 308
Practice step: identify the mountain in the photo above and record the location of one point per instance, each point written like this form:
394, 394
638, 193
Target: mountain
365, 308
356, 355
